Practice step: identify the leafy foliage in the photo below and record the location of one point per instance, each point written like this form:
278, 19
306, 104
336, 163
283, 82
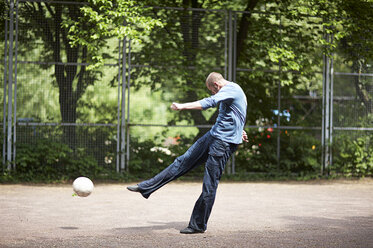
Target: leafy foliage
149, 158
354, 155
3, 9
102, 19
48, 161
300, 153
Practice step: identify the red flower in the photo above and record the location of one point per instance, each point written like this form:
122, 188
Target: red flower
268, 136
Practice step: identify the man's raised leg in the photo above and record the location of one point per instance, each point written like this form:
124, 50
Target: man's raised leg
195, 155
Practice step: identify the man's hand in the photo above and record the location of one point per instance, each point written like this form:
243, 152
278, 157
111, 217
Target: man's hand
176, 106
188, 105
244, 136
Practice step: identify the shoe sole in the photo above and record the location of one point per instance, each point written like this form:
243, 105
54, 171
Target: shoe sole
195, 232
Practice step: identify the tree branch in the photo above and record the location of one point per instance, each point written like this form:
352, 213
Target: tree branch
50, 10
46, 30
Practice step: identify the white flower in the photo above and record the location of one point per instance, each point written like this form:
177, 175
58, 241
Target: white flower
108, 160
160, 149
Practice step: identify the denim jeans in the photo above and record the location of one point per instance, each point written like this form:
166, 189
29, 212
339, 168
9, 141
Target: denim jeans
209, 150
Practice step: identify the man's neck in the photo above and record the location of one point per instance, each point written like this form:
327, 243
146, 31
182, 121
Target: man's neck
224, 83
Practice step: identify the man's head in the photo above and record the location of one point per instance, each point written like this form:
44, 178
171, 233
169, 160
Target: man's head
215, 81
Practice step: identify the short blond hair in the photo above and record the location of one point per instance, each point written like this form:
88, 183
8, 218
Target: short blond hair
214, 77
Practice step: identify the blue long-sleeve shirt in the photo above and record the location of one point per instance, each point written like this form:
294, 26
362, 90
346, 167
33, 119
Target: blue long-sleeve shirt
232, 112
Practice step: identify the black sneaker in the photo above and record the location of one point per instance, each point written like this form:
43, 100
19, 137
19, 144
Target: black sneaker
190, 230
134, 188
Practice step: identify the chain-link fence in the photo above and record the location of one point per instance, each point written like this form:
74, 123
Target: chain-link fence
120, 114
53, 96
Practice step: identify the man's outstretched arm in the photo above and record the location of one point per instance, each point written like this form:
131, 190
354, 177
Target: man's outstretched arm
188, 105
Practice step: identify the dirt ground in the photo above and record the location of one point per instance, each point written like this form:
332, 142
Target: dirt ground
312, 214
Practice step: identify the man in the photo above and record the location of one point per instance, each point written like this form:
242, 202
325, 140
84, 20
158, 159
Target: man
214, 148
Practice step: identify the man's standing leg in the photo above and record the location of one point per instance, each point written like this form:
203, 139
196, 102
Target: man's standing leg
219, 153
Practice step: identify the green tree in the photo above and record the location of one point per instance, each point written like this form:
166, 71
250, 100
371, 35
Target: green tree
75, 33
103, 19
45, 22
348, 23
288, 43
193, 41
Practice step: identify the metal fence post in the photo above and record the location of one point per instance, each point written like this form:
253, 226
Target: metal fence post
232, 36
15, 91
234, 47
326, 113
226, 43
331, 108
5, 86
128, 105
230, 46
278, 148
123, 123
229, 64
118, 110
10, 85
234, 64
323, 114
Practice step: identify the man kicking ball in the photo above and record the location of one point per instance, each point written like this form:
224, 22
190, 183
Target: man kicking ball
213, 149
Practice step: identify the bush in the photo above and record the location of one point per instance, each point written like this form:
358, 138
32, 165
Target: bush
299, 153
353, 156
149, 158
47, 161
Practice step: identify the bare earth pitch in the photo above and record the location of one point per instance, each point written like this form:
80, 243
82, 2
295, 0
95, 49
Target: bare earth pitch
311, 214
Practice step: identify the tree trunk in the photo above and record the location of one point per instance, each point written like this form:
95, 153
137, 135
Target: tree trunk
65, 75
244, 28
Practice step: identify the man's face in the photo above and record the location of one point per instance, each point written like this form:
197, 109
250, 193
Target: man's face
213, 88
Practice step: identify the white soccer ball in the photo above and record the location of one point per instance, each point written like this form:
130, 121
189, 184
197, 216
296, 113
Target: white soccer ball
83, 186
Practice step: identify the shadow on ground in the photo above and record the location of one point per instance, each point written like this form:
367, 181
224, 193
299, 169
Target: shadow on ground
154, 226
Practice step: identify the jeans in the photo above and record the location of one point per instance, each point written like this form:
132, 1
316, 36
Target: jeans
209, 150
